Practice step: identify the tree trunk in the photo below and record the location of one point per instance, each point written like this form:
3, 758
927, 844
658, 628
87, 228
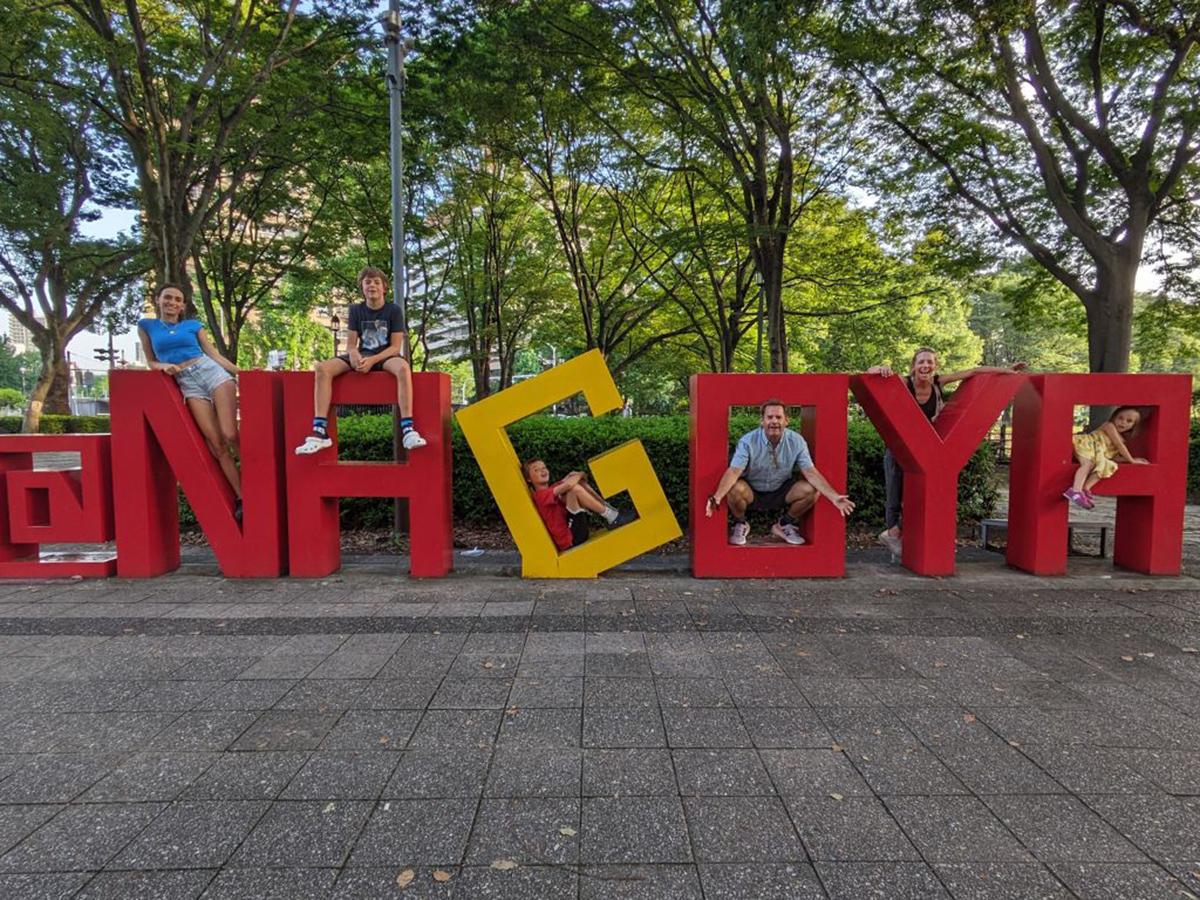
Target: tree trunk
1110, 324
51, 392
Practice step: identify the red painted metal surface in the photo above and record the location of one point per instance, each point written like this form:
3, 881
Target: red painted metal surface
931, 455
314, 483
1150, 505
157, 445
823, 424
64, 506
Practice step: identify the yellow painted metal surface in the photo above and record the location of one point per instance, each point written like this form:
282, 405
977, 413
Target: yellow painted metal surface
625, 467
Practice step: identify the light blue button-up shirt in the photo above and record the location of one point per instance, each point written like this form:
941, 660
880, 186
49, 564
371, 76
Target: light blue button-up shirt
765, 466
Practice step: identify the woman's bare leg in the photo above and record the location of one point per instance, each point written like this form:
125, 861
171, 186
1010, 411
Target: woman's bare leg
206, 419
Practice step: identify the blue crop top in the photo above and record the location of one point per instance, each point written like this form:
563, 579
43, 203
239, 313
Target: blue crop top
173, 343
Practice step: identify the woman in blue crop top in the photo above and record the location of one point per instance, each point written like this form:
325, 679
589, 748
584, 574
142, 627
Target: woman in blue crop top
180, 348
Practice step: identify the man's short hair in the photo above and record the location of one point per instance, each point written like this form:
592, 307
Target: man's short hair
371, 272
762, 410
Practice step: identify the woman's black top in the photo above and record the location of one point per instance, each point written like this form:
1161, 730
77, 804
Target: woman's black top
930, 406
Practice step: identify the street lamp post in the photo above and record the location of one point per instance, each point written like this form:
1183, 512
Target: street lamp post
397, 48
334, 325
758, 356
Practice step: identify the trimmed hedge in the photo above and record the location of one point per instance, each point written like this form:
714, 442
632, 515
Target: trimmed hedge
58, 425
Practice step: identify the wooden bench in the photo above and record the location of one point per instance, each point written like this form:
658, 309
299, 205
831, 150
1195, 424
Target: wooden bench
988, 525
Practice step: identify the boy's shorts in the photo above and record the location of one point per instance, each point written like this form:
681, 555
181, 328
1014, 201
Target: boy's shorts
578, 524
345, 357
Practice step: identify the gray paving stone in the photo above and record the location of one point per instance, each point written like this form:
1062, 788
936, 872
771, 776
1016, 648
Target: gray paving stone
323, 695
372, 729
524, 883
1159, 824
628, 773
813, 773
395, 693
540, 728
516, 772
853, 829
192, 834
442, 728
721, 773
199, 731
418, 832
57, 886
634, 830
763, 881
472, 693
168, 696
433, 774
147, 885
1001, 881
528, 831
298, 834
246, 694
1087, 770
271, 884
1062, 828
657, 882
345, 775
955, 829
1128, 881
705, 728
686, 692
1175, 771
55, 777
19, 821
622, 727
880, 881
775, 727
150, 776
742, 829
286, 730
766, 690
247, 776
356, 882
552, 692
898, 767
80, 838
600, 692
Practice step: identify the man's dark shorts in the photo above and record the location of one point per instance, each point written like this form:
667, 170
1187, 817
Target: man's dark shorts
770, 501
345, 357
578, 524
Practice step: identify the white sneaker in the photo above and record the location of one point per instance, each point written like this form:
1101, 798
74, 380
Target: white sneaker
313, 444
412, 440
789, 533
738, 533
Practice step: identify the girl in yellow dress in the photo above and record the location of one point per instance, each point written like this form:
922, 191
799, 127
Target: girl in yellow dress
1098, 451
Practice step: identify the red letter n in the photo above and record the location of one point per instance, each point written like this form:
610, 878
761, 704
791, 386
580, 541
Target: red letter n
931, 455
823, 424
1149, 526
156, 444
314, 483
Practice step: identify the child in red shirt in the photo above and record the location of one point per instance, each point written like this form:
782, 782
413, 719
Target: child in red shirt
564, 504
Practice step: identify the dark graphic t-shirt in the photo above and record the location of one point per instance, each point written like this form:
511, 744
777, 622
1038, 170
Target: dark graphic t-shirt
375, 327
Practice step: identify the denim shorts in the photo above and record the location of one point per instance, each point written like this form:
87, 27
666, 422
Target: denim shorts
201, 379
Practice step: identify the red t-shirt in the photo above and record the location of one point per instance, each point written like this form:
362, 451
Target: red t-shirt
554, 514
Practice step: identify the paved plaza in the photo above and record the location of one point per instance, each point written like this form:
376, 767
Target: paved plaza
644, 735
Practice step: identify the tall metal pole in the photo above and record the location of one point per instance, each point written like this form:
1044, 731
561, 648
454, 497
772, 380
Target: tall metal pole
397, 47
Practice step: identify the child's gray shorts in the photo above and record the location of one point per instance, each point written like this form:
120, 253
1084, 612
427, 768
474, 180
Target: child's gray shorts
201, 379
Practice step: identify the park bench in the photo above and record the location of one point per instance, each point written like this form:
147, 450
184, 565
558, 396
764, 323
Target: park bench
986, 526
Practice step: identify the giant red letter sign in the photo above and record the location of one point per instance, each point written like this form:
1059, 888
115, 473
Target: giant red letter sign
43, 506
823, 399
932, 455
314, 483
1149, 536
156, 443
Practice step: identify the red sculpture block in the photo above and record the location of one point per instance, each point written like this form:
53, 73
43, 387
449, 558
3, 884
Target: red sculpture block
823, 424
931, 455
314, 483
1150, 505
43, 506
157, 445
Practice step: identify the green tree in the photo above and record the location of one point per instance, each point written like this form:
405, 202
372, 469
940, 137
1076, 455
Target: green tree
1068, 129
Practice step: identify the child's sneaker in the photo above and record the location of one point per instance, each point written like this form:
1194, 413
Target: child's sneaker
1078, 498
624, 517
412, 439
314, 443
738, 533
789, 533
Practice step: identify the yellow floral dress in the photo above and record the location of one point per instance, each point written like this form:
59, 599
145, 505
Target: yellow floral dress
1098, 448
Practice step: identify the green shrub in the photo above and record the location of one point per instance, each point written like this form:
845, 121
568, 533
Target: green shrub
58, 424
